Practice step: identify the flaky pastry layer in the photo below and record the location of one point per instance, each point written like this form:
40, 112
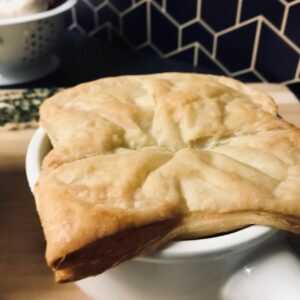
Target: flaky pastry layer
137, 160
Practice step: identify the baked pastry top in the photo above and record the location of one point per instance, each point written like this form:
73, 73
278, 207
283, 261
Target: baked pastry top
140, 160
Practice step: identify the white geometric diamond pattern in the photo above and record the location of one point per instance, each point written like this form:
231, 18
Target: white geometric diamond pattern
260, 19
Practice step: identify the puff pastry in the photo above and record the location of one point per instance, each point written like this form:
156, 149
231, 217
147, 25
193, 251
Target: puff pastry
140, 160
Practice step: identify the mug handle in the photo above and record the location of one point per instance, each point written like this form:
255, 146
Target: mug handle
273, 273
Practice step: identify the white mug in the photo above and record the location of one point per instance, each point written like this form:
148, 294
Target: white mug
253, 263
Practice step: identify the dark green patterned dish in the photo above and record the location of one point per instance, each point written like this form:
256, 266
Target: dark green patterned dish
20, 108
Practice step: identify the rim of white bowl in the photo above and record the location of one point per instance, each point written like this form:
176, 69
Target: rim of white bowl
41, 15
177, 250
212, 247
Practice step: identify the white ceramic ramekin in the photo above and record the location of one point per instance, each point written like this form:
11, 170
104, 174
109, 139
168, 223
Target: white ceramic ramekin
249, 264
28, 44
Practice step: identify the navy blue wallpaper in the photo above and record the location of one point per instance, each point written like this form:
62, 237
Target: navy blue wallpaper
254, 40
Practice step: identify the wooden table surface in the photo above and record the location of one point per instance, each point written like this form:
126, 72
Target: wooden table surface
23, 271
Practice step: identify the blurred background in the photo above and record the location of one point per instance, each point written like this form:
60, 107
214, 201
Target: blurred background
251, 40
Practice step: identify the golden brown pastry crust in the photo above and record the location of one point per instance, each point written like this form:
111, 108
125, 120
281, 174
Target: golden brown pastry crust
138, 160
